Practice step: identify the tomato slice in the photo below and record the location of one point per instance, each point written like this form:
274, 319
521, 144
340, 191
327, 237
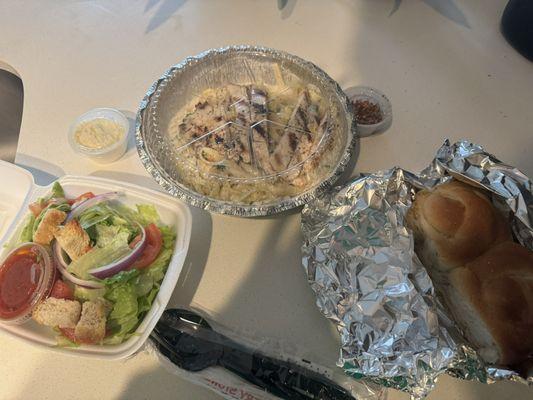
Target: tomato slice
70, 334
81, 197
61, 290
154, 241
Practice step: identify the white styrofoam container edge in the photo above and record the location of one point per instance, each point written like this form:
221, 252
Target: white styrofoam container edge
172, 212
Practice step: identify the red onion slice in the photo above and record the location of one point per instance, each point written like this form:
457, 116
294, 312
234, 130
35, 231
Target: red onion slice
84, 205
120, 265
62, 267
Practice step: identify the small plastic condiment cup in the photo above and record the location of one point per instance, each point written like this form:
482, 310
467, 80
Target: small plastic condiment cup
107, 154
44, 285
355, 93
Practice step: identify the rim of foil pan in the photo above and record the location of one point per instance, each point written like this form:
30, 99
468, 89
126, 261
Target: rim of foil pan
178, 189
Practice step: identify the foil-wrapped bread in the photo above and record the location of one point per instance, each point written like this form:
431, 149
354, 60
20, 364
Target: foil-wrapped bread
485, 278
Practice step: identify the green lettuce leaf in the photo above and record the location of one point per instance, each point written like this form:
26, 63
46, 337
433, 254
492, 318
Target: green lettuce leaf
169, 236
145, 214
103, 223
86, 294
57, 191
159, 266
98, 257
157, 269
121, 277
148, 214
145, 303
141, 285
26, 234
96, 214
124, 317
105, 234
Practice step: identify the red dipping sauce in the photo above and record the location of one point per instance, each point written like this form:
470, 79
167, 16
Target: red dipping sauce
24, 279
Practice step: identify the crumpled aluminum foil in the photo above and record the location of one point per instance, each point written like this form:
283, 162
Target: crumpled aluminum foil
360, 262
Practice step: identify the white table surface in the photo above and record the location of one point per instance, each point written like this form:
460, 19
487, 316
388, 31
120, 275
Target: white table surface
447, 71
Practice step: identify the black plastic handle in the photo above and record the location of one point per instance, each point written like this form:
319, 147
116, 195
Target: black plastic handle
190, 343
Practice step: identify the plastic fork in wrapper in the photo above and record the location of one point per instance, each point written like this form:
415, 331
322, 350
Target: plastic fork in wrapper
360, 262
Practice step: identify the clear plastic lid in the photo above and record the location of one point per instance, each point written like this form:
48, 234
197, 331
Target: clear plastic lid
239, 142
247, 128
32, 282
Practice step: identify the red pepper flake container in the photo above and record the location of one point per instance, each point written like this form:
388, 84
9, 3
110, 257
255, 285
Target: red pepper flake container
367, 112
26, 277
371, 108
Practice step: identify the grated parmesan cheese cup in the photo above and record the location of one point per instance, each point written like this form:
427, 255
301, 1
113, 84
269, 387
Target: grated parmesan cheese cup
109, 153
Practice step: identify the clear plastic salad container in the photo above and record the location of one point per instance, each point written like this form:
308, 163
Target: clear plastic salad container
20, 190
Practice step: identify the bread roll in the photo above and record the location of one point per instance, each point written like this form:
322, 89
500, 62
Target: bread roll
486, 279
453, 224
492, 300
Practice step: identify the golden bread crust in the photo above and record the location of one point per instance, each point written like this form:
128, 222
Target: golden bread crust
458, 221
499, 284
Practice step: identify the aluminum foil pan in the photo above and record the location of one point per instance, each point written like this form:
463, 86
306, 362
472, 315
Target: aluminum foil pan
176, 167
360, 262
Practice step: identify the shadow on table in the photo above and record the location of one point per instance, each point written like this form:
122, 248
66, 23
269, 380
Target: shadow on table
194, 265
446, 8
165, 11
141, 180
43, 171
132, 117
276, 278
349, 171
286, 8
164, 386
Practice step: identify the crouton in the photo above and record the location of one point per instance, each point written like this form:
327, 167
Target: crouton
91, 326
73, 239
48, 226
57, 313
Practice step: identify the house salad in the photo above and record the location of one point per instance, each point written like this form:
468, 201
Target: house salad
89, 267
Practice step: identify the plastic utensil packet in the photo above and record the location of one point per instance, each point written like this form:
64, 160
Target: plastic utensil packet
360, 262
216, 379
239, 368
